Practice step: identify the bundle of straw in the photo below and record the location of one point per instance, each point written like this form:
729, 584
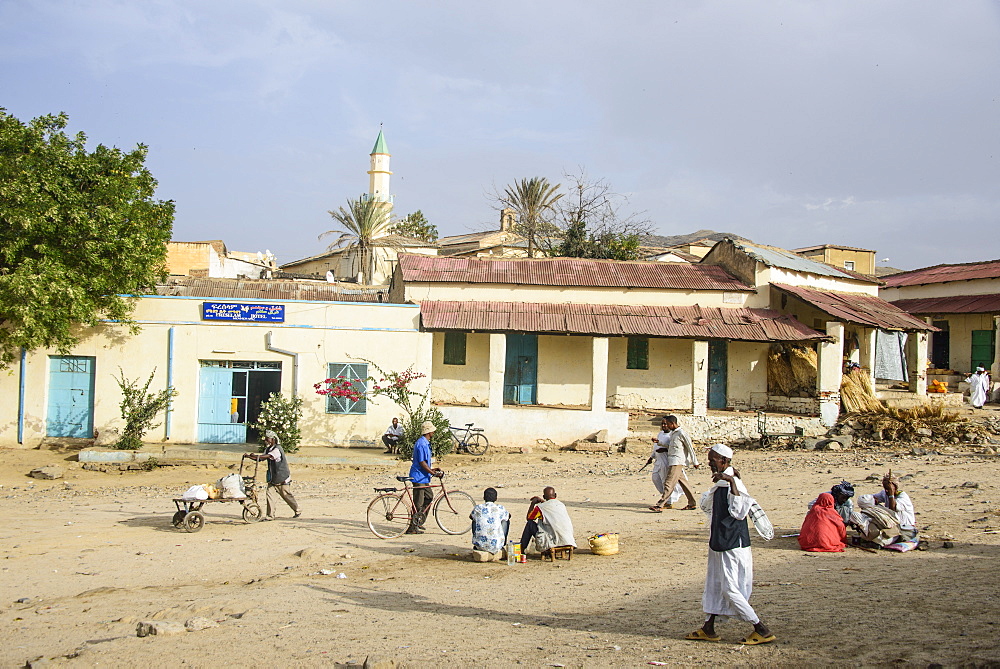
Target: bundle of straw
857, 394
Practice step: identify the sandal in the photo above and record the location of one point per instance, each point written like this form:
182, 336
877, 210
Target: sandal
700, 635
656, 509
755, 639
689, 507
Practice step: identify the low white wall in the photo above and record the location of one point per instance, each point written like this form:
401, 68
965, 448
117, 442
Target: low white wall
802, 405
525, 425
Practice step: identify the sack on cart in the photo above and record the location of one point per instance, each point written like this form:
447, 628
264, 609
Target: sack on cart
231, 486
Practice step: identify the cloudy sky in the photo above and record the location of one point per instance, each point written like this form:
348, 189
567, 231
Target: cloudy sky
871, 124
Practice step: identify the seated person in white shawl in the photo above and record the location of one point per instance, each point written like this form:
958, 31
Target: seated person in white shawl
887, 518
547, 523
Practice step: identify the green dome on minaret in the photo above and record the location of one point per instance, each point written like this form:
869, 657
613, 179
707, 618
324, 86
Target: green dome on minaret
380, 144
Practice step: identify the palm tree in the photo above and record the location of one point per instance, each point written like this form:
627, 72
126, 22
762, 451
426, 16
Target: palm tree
364, 220
534, 201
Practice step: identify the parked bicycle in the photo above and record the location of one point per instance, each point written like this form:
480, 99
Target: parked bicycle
473, 441
390, 512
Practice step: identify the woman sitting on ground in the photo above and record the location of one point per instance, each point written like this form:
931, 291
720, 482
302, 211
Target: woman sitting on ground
823, 530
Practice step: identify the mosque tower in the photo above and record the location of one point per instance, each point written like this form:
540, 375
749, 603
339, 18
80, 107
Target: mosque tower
378, 175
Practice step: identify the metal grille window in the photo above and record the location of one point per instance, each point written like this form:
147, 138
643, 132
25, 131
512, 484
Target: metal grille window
638, 353
355, 372
454, 348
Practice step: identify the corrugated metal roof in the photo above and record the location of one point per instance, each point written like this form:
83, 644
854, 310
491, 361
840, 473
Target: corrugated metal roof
856, 308
775, 257
742, 324
568, 272
956, 304
269, 290
988, 269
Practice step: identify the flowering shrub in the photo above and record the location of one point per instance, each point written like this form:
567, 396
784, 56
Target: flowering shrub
281, 415
339, 386
395, 386
139, 408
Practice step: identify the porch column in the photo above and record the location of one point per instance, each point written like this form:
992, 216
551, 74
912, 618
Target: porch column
995, 367
830, 373
916, 362
599, 376
498, 364
868, 351
699, 377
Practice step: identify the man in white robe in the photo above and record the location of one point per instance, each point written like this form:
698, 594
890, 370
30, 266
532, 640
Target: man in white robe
548, 523
979, 388
658, 458
679, 453
729, 580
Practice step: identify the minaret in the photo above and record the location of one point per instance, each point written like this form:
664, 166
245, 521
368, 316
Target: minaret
378, 175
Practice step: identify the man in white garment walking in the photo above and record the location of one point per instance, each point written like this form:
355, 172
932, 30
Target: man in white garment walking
729, 580
679, 452
979, 388
658, 458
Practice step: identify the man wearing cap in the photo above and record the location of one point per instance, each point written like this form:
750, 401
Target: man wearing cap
842, 504
979, 388
421, 472
729, 580
279, 476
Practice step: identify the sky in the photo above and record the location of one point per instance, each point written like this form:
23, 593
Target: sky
871, 124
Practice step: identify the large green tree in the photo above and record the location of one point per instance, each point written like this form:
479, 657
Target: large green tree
363, 220
80, 234
534, 200
417, 226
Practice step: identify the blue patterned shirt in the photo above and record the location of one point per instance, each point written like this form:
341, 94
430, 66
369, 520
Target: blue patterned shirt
487, 527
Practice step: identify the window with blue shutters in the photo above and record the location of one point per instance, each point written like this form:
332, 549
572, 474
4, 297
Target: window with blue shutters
638, 353
357, 373
454, 348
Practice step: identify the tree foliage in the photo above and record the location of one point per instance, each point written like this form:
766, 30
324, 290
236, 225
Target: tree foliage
80, 234
534, 200
281, 415
417, 226
364, 221
593, 223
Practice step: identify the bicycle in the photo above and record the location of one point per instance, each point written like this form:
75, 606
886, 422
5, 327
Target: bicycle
473, 442
389, 514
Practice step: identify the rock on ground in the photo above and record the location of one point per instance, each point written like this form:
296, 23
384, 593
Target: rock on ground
47, 472
159, 628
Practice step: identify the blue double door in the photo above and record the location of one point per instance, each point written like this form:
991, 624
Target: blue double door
229, 399
520, 379
70, 411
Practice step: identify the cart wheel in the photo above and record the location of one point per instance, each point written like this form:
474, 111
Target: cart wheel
194, 521
252, 513
178, 518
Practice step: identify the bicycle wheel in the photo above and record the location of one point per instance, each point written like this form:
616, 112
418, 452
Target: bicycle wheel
388, 516
452, 511
477, 444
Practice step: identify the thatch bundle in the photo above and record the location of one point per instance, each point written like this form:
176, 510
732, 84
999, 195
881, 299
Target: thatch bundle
903, 424
791, 371
857, 393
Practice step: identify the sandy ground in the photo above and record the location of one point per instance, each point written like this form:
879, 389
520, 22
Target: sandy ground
92, 554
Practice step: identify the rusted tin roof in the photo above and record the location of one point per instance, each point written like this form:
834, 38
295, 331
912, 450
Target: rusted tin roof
989, 269
742, 324
955, 304
856, 308
569, 272
261, 289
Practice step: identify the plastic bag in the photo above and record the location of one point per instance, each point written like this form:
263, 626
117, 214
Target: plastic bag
761, 523
195, 492
231, 486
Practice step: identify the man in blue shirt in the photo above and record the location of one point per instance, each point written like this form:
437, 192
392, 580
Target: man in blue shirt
421, 472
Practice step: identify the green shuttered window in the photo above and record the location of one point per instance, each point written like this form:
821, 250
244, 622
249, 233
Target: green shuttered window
454, 348
357, 373
638, 353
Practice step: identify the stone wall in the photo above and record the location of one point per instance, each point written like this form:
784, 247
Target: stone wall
798, 405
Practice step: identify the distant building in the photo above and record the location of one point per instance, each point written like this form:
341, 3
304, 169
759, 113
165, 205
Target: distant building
963, 300
502, 243
850, 258
211, 259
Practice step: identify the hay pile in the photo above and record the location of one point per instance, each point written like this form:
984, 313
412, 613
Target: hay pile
857, 393
902, 424
791, 371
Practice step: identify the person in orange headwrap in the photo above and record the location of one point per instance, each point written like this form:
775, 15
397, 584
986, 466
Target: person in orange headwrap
823, 530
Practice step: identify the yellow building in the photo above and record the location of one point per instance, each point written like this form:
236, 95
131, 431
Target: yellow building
850, 258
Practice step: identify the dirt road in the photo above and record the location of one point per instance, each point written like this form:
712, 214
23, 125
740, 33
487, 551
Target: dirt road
91, 554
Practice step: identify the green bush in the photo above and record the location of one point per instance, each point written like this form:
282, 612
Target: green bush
282, 415
139, 408
441, 441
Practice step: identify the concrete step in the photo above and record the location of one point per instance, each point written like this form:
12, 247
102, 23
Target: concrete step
234, 453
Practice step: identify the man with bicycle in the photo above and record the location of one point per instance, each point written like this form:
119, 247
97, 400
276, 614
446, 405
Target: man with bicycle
421, 472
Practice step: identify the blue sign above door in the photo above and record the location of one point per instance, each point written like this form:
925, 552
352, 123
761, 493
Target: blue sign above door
235, 311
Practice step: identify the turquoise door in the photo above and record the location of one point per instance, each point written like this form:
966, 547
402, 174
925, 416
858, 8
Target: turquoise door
520, 379
718, 364
216, 407
71, 397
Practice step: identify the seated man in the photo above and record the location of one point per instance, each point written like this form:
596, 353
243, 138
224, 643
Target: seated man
842, 494
875, 523
490, 523
392, 435
547, 523
897, 501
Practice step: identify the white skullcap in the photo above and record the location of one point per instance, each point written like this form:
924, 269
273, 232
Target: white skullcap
866, 501
723, 450
980, 369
